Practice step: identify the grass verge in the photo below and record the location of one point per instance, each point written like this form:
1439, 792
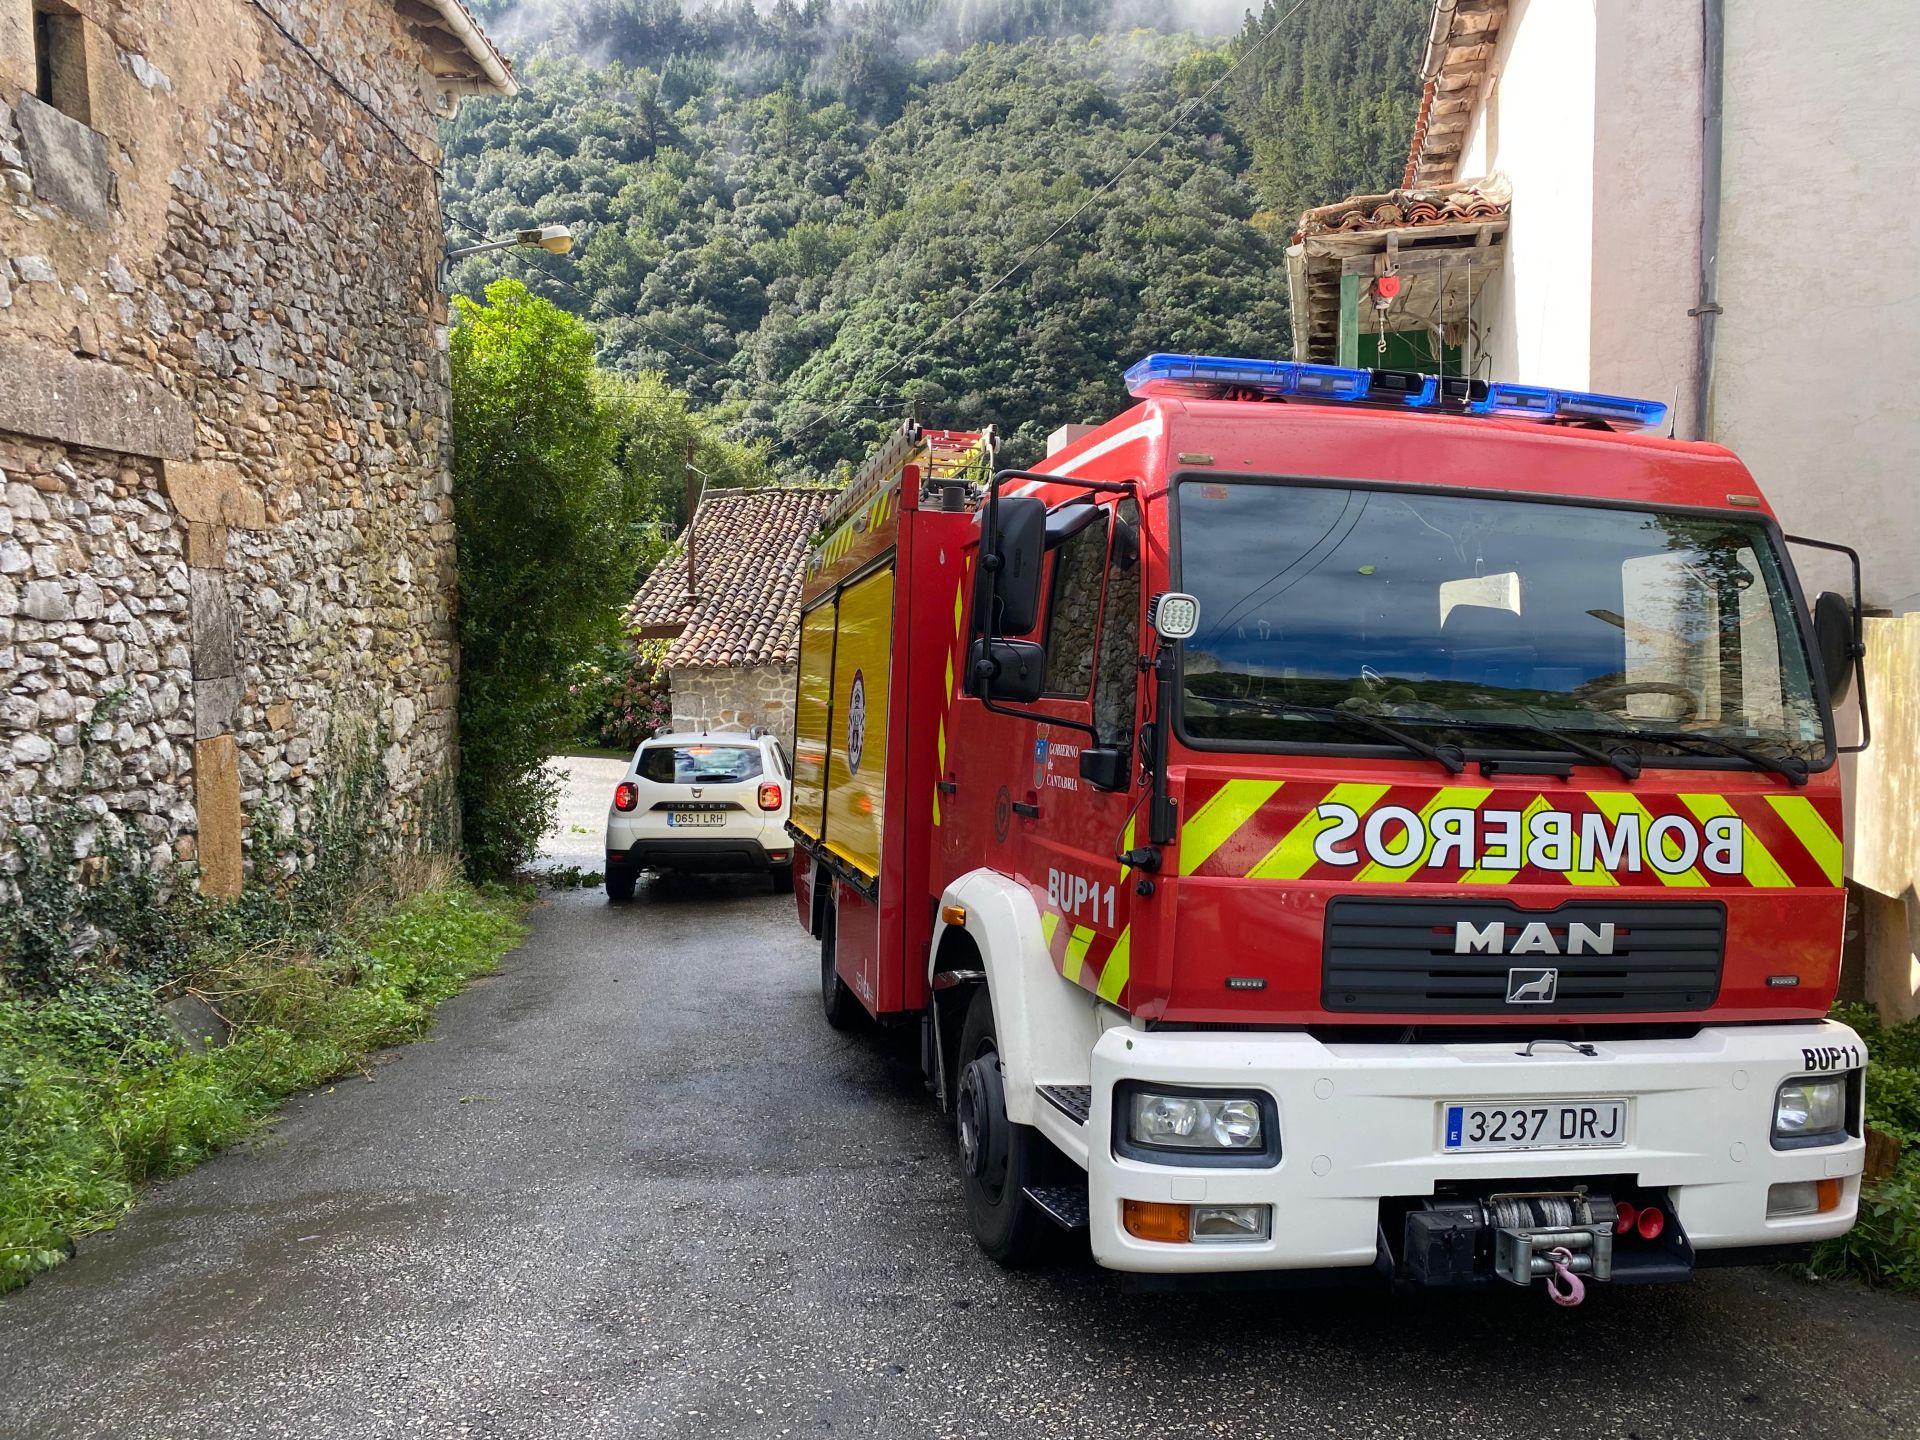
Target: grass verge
1884, 1247
98, 1095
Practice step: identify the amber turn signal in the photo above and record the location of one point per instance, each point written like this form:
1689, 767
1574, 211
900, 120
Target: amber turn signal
1151, 1220
954, 914
1829, 1192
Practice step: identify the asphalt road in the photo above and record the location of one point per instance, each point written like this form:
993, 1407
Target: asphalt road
634, 1186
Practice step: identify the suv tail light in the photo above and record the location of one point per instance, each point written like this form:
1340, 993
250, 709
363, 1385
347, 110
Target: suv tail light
769, 796
626, 795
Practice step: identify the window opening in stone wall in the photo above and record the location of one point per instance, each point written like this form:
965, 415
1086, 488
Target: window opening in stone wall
60, 60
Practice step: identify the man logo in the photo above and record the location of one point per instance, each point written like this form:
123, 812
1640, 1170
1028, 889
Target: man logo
1535, 938
1532, 987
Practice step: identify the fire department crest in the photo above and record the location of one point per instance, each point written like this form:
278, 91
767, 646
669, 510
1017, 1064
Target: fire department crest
857, 721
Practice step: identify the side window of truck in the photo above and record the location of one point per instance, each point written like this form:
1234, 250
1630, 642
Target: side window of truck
1116, 694
1073, 619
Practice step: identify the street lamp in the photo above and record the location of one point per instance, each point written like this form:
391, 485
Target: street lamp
554, 239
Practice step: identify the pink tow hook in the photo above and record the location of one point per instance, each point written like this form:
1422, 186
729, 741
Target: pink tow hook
1563, 1285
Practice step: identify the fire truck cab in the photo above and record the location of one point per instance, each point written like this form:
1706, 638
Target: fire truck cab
1342, 820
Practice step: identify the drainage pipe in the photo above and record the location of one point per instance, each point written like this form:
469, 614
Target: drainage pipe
1712, 79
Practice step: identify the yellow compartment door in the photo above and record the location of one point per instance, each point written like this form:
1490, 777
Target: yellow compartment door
813, 711
857, 768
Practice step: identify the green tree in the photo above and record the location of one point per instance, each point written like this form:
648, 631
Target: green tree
547, 540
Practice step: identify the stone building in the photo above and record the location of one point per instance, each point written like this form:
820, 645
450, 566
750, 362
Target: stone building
735, 624
226, 542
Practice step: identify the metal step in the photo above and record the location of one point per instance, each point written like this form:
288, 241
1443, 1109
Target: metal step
1066, 1205
1073, 1101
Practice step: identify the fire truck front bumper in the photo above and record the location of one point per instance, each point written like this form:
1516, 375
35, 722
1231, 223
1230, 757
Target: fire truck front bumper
1732, 1143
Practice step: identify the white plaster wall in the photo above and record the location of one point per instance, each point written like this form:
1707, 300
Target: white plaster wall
1537, 125
1813, 382
1646, 202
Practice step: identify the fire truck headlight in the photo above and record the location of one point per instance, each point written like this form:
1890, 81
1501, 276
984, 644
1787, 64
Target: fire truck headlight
1202, 1127
1810, 1112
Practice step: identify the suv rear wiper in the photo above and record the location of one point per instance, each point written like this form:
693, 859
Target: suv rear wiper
1451, 756
1790, 766
1623, 759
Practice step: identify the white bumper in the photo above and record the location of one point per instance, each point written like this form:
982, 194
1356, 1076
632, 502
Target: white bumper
1359, 1123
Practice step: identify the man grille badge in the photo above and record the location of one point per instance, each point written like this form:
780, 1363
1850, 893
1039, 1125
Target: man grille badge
1532, 986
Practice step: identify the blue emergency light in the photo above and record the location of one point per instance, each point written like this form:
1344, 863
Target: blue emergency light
1213, 377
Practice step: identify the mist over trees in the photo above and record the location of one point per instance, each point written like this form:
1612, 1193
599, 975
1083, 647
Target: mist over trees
816, 216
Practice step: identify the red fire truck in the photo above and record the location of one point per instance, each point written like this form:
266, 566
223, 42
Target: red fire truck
1333, 819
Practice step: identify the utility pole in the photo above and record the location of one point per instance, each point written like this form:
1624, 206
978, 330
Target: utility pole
693, 505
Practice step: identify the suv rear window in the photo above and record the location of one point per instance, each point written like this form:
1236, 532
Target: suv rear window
699, 764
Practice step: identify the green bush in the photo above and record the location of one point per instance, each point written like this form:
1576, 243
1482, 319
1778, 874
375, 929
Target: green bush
623, 694
566, 484
1884, 1247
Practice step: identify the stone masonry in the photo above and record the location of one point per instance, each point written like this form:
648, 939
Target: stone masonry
226, 534
735, 698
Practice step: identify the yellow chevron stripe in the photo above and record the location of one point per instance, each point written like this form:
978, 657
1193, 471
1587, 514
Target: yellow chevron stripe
1481, 875
1756, 861
1049, 922
1226, 810
1113, 978
1469, 796
1126, 843
1615, 803
1077, 944
1293, 856
1811, 831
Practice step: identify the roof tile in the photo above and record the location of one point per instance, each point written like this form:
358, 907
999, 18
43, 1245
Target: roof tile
749, 548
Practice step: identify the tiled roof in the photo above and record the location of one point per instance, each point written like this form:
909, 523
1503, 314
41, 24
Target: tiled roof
462, 60
748, 552
1461, 40
1468, 203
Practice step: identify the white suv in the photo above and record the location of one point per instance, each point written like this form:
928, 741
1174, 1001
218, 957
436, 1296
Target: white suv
701, 802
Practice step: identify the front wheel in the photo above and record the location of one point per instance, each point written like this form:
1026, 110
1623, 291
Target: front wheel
841, 1006
998, 1159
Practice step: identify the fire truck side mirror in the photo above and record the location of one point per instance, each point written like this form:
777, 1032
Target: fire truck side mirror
1007, 669
1105, 767
1833, 631
1006, 592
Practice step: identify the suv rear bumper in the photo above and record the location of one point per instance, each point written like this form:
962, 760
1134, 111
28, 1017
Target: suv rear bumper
716, 853
1361, 1125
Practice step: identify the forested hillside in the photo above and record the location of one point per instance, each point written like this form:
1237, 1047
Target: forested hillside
815, 217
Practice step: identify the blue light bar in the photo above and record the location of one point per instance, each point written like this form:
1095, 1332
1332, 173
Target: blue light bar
1216, 377
1213, 377
1537, 402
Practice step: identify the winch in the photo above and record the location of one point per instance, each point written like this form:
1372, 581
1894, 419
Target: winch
1531, 1235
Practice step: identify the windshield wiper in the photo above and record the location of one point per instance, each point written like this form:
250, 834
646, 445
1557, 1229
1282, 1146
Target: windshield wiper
1451, 756
1623, 759
1790, 766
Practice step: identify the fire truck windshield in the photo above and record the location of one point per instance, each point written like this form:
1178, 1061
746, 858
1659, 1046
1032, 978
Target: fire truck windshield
1490, 623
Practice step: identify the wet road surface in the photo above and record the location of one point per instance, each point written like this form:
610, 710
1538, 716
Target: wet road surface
634, 1186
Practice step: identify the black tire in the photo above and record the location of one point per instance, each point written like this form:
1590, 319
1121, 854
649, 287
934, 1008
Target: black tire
782, 877
620, 883
998, 1159
841, 1005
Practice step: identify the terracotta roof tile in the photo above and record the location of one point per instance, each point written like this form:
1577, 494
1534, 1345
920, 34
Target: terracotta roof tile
1489, 198
749, 547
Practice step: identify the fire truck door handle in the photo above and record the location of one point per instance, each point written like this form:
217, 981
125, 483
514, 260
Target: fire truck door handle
1032, 812
948, 787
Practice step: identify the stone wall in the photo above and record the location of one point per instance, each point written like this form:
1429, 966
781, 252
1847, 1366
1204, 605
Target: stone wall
226, 542
713, 698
